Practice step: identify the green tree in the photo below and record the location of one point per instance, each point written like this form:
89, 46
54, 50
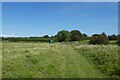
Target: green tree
84, 35
46, 36
104, 34
75, 35
63, 36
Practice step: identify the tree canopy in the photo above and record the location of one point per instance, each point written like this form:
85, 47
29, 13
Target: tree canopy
63, 36
46, 36
75, 35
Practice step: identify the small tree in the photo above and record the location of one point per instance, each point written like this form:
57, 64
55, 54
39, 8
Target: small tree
75, 35
104, 34
63, 36
84, 35
46, 36
55, 36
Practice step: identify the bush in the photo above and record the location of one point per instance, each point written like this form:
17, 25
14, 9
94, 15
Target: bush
113, 37
98, 39
118, 42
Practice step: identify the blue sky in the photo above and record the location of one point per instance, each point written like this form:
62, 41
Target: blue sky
38, 19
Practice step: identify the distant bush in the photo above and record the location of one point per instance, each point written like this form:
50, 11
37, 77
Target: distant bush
118, 42
29, 39
113, 37
98, 39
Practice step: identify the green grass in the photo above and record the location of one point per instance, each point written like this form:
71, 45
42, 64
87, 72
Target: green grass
112, 41
104, 57
44, 60
84, 41
109, 42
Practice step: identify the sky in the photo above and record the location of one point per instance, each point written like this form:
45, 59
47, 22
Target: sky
47, 18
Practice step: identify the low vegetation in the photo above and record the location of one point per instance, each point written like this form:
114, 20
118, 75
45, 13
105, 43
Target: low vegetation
27, 39
44, 60
99, 39
104, 57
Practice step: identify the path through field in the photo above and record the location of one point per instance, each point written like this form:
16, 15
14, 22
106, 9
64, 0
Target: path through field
44, 60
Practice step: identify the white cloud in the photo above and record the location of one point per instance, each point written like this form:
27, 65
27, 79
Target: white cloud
4, 35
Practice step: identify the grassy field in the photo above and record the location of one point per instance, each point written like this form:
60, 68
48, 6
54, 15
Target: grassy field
104, 57
44, 60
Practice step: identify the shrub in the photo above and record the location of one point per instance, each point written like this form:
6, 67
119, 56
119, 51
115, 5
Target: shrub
113, 37
98, 39
118, 42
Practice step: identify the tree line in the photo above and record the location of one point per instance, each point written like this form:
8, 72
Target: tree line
68, 36
76, 35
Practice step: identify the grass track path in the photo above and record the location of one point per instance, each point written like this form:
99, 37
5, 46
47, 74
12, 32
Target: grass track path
78, 66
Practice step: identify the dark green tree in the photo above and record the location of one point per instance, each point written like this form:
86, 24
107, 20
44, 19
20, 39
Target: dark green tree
84, 35
75, 35
55, 36
63, 36
104, 34
46, 36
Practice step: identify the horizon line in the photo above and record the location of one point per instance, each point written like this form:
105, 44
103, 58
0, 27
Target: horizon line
6, 35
